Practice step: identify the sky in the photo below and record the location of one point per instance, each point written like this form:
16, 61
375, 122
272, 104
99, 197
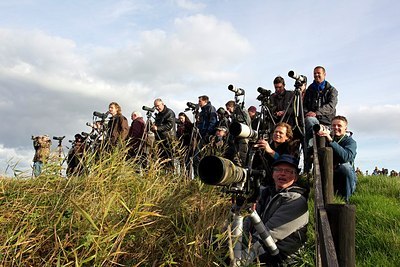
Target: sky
62, 60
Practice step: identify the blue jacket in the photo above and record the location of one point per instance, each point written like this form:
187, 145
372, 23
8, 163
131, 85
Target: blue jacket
207, 120
344, 150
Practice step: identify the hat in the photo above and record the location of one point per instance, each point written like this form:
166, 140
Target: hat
221, 110
222, 128
252, 109
285, 158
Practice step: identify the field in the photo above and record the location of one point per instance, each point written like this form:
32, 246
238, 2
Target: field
118, 215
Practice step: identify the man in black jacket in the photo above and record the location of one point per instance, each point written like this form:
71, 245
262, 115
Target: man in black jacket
164, 128
320, 102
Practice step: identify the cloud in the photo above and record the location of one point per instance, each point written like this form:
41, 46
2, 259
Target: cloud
373, 120
190, 5
200, 48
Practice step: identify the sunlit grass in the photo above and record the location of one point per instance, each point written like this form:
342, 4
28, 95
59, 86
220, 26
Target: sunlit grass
119, 214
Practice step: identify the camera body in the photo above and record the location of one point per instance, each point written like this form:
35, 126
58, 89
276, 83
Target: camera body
264, 94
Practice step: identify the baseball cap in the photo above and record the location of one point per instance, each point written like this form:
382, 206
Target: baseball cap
286, 158
222, 128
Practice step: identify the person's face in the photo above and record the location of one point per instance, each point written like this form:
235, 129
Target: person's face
284, 175
159, 106
319, 75
220, 133
252, 114
112, 109
231, 109
181, 119
279, 88
133, 116
339, 127
202, 102
279, 135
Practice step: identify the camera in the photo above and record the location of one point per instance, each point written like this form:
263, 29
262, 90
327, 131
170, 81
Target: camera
101, 115
320, 127
238, 129
299, 78
215, 170
59, 138
237, 91
264, 92
149, 109
192, 106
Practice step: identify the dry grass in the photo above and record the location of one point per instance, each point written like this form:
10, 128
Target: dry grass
117, 215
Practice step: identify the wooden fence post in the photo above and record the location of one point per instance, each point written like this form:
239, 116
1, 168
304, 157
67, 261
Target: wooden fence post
342, 221
325, 156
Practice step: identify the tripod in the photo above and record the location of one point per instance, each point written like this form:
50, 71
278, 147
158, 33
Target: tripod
241, 255
195, 139
244, 199
147, 139
297, 102
60, 151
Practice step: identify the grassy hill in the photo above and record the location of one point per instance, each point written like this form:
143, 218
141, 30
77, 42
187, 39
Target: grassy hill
119, 216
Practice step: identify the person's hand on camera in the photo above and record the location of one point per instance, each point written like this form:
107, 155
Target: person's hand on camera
264, 145
325, 132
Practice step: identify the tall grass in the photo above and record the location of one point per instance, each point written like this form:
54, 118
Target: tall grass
119, 214
116, 215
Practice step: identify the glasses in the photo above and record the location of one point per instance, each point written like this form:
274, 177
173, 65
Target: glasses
286, 171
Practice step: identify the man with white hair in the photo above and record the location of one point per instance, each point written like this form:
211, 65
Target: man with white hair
135, 133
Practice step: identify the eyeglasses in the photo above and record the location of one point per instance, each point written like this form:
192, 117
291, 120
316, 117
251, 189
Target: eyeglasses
286, 171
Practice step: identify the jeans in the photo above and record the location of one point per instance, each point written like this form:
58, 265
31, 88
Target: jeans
37, 168
309, 123
344, 180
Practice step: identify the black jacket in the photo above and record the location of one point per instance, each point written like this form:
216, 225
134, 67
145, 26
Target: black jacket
323, 103
165, 122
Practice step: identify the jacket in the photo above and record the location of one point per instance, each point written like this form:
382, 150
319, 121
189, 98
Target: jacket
165, 122
344, 150
207, 120
285, 214
323, 103
118, 129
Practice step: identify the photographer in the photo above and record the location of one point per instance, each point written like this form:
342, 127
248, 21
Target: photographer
135, 134
344, 153
223, 118
75, 156
42, 144
283, 209
281, 100
164, 128
320, 102
207, 117
282, 143
184, 130
238, 146
118, 127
